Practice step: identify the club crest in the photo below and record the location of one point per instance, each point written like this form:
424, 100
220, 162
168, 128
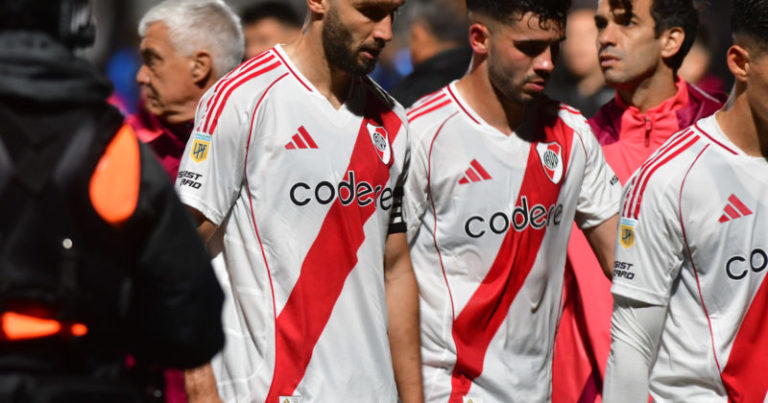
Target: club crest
380, 140
551, 160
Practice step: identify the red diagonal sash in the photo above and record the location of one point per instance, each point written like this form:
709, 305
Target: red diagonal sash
328, 263
744, 375
482, 316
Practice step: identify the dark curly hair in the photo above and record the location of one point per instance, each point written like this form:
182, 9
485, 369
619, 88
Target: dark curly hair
750, 18
667, 14
504, 10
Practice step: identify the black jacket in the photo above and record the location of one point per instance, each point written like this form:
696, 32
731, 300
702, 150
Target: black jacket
144, 287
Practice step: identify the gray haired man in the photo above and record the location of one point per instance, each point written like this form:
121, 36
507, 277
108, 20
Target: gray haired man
186, 46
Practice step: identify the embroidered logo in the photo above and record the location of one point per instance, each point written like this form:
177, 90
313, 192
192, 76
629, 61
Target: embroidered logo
380, 140
551, 160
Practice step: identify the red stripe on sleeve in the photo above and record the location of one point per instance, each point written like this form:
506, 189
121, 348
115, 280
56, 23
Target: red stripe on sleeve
223, 85
647, 178
330, 260
430, 110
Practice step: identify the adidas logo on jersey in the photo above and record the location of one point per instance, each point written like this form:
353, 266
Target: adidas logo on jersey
475, 173
301, 140
734, 209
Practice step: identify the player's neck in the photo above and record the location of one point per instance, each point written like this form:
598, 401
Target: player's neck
742, 127
307, 55
649, 92
477, 90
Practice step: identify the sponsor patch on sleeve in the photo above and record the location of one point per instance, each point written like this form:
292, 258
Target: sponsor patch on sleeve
200, 146
627, 232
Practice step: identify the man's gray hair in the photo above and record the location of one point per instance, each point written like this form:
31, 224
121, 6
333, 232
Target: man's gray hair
195, 25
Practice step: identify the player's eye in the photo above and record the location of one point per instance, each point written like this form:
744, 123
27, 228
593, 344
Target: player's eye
376, 13
600, 23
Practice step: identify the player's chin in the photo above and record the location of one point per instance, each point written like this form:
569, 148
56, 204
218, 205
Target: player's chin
365, 66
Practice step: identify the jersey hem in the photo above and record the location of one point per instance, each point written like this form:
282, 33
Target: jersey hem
200, 206
638, 294
601, 217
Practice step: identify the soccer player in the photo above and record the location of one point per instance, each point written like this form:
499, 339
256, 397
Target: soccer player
499, 173
641, 45
689, 322
295, 166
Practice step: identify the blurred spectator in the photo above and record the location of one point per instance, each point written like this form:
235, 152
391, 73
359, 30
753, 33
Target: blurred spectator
438, 47
641, 45
267, 24
696, 68
98, 257
578, 81
186, 46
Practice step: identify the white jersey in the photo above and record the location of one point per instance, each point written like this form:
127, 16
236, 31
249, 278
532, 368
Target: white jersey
489, 216
303, 195
694, 237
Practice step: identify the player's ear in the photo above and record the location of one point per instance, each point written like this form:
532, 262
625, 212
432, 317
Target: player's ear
202, 67
479, 38
671, 41
737, 59
319, 7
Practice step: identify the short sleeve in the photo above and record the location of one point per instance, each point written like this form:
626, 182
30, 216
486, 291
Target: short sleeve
649, 246
397, 223
415, 190
601, 190
211, 169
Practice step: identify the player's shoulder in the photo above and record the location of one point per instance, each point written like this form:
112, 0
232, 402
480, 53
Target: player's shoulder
565, 122
661, 176
430, 112
250, 79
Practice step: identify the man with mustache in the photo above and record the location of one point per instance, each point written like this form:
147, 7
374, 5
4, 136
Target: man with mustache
186, 46
499, 172
294, 171
641, 44
689, 322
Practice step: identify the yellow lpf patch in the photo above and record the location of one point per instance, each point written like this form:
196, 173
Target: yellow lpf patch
200, 147
627, 233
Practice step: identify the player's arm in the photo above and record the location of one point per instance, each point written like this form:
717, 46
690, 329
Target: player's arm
636, 329
205, 227
602, 238
598, 205
403, 312
199, 383
649, 256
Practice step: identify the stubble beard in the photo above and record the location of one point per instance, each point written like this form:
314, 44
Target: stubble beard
337, 46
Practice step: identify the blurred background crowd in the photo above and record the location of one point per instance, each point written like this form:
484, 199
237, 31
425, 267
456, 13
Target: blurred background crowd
429, 49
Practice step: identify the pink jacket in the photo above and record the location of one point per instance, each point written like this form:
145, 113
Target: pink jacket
628, 138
